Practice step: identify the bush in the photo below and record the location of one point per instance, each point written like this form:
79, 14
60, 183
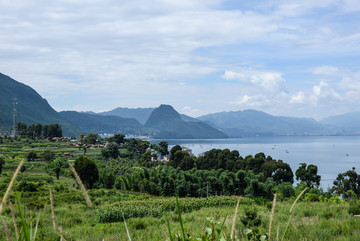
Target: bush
87, 170
47, 156
354, 209
251, 217
311, 197
31, 156
139, 224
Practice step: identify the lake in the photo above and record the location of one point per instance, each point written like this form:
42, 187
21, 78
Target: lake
332, 154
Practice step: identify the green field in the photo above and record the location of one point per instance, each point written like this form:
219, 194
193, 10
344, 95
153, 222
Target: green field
147, 216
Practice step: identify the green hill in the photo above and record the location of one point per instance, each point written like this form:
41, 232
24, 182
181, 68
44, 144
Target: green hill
166, 122
103, 124
31, 107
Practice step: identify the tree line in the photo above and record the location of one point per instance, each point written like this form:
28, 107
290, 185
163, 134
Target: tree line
38, 130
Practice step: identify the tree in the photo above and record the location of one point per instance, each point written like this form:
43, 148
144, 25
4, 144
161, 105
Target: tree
34, 130
47, 156
346, 181
87, 170
21, 128
81, 138
2, 163
58, 166
52, 130
107, 178
31, 156
174, 149
91, 138
308, 175
163, 148
117, 138
113, 150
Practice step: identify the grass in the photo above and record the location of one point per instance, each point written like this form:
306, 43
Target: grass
148, 217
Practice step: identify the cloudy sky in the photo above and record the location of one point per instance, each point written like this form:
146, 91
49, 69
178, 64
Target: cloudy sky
296, 58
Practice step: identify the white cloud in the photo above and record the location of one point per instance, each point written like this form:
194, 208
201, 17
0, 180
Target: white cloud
323, 93
139, 52
298, 98
325, 70
250, 101
268, 80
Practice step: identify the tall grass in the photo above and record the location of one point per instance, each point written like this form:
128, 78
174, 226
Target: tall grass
81, 185
53, 217
10, 187
272, 215
6, 229
14, 220
234, 219
290, 211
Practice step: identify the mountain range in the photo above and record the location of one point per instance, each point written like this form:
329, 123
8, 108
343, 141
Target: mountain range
164, 121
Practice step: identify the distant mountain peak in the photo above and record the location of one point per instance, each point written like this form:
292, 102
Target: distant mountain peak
163, 113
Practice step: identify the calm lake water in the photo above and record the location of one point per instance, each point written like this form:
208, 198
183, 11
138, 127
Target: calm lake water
332, 154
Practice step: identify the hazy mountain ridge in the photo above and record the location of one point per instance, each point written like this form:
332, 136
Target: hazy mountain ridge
347, 123
252, 122
102, 124
31, 107
164, 121
140, 114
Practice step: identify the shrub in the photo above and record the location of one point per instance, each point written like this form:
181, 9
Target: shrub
311, 197
251, 217
354, 209
87, 170
139, 224
31, 156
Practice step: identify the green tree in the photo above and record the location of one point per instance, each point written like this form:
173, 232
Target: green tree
91, 138
113, 150
308, 174
117, 138
21, 128
47, 156
107, 178
31, 156
2, 163
58, 166
174, 149
52, 130
163, 148
87, 170
347, 181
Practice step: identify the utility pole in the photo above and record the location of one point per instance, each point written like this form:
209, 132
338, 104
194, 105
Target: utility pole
14, 128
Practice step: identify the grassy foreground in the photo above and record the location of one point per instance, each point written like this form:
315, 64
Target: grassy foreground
147, 216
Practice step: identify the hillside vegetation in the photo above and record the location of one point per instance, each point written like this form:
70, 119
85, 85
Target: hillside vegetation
122, 208
31, 107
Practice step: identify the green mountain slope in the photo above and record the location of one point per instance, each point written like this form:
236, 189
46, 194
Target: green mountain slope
103, 124
166, 122
252, 122
31, 107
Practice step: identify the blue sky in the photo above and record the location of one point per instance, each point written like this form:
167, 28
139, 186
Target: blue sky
295, 58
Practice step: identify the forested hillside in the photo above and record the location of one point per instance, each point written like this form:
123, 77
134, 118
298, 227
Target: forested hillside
31, 107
